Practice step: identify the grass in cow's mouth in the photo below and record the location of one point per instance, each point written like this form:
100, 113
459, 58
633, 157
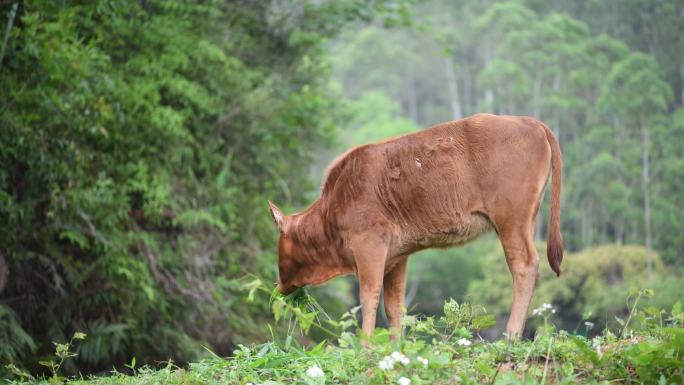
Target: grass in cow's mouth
298, 307
301, 299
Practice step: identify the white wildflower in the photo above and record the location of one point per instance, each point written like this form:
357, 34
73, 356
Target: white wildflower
403, 381
315, 371
596, 343
423, 361
464, 342
386, 363
544, 309
589, 324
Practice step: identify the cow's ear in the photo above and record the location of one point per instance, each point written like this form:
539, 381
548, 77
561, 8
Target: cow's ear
276, 214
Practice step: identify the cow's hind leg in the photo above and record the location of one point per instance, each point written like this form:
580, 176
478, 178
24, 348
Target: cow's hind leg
523, 262
395, 288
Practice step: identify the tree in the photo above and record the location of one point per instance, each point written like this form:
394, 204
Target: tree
140, 142
635, 90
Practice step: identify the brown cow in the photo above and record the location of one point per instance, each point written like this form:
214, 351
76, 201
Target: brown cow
439, 187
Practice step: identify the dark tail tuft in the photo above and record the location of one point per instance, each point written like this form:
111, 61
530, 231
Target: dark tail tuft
554, 251
554, 246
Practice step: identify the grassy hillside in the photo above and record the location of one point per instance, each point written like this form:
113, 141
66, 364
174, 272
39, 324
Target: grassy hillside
647, 347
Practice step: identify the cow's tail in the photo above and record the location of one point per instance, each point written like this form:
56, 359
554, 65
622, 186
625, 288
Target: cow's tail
554, 246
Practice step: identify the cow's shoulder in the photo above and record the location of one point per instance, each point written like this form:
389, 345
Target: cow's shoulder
349, 162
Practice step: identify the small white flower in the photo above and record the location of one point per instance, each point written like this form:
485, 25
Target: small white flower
386, 363
596, 342
589, 324
405, 361
423, 361
464, 342
543, 310
315, 372
403, 381
396, 356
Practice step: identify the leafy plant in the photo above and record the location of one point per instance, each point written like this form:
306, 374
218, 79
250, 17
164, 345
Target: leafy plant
62, 353
430, 353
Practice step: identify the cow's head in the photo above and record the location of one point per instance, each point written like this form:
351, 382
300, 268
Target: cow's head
305, 257
289, 275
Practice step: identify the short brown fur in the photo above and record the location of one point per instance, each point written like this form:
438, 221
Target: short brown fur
439, 187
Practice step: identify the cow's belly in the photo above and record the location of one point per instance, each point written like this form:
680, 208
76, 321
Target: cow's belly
455, 234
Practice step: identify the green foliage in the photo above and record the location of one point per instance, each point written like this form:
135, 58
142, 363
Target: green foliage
586, 290
140, 140
428, 284
440, 351
14, 341
376, 118
62, 353
599, 86
139, 143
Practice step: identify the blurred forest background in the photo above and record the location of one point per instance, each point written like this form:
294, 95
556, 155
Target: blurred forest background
140, 140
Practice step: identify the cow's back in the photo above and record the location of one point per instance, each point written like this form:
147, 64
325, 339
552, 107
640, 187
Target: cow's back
437, 185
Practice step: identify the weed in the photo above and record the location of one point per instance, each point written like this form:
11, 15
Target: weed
648, 347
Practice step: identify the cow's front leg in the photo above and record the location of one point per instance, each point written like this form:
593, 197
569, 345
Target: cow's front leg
370, 254
395, 290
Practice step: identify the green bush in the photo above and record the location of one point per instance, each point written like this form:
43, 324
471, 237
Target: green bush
139, 143
591, 287
434, 350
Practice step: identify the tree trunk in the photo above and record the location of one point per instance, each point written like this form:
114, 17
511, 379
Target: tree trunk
584, 223
646, 180
619, 233
536, 97
413, 284
618, 137
489, 93
489, 101
620, 224
468, 90
412, 100
8, 29
556, 110
681, 84
4, 273
452, 85
538, 225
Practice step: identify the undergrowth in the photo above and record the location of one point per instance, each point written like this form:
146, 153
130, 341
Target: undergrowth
646, 347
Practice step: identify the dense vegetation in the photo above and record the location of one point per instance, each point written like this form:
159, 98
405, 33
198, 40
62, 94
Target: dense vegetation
606, 76
585, 69
139, 141
646, 347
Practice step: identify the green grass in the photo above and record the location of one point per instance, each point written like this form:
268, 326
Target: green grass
646, 347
